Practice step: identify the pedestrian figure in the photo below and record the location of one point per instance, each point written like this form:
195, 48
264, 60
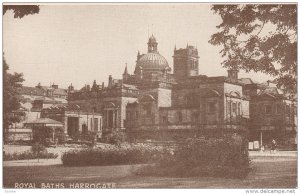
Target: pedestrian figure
273, 146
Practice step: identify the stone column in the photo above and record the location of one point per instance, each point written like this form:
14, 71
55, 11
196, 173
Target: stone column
113, 119
65, 124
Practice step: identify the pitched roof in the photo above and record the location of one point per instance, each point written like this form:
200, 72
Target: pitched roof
25, 90
41, 91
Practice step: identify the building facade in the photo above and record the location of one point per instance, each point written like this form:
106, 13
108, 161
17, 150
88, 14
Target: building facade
75, 121
34, 99
273, 114
155, 100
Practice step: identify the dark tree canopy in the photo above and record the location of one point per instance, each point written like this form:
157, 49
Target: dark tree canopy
259, 38
11, 98
21, 10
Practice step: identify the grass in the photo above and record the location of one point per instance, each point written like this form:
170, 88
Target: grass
266, 174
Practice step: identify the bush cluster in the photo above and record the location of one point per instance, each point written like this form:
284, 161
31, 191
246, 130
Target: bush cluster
226, 157
29, 155
114, 156
38, 151
222, 157
115, 138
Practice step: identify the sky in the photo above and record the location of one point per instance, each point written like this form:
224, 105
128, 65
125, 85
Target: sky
80, 43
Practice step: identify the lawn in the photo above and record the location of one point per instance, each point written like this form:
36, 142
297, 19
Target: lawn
270, 173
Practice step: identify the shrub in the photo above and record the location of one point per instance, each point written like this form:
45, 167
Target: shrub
227, 157
37, 148
115, 156
28, 155
115, 138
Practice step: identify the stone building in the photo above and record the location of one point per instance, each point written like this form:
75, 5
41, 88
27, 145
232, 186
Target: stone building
154, 103
34, 99
75, 121
151, 77
198, 104
109, 101
273, 114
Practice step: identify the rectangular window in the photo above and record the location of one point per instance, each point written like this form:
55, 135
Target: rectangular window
91, 124
239, 108
212, 107
228, 108
147, 109
165, 119
127, 116
287, 109
179, 116
95, 124
234, 108
136, 114
278, 109
195, 117
268, 109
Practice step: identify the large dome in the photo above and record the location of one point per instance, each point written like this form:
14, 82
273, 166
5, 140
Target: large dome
152, 61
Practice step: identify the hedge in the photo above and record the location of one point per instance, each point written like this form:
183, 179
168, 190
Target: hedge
226, 157
28, 155
115, 156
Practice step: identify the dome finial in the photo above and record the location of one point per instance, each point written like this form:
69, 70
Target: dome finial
152, 44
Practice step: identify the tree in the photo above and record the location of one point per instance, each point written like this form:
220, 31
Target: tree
259, 38
12, 82
21, 10
11, 98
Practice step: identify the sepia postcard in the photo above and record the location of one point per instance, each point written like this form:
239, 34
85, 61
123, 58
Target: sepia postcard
150, 95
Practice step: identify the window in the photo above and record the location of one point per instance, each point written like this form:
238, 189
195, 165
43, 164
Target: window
287, 109
179, 116
165, 119
278, 109
229, 107
192, 100
234, 108
128, 116
239, 108
268, 109
212, 107
136, 114
195, 117
147, 109
94, 109
95, 124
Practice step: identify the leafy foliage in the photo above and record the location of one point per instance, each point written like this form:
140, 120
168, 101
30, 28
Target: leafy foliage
21, 10
259, 37
115, 138
28, 155
227, 157
11, 97
38, 148
116, 156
